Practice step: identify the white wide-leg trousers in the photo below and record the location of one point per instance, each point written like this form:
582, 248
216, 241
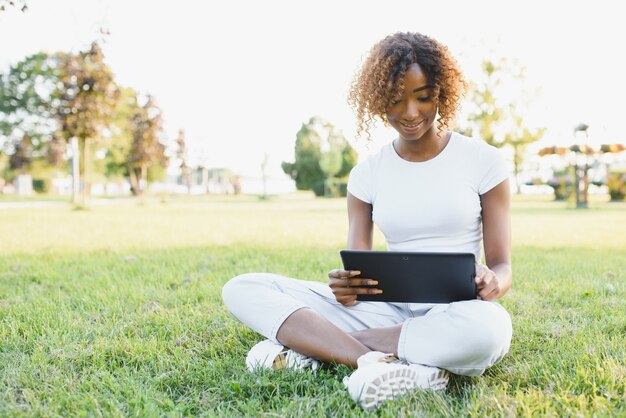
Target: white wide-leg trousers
463, 337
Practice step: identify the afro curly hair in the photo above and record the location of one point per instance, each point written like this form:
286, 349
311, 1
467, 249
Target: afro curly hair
380, 79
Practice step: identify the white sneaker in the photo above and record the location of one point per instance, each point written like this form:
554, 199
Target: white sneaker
270, 355
387, 378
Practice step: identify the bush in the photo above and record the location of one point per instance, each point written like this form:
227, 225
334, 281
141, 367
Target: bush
318, 188
337, 188
343, 188
41, 185
616, 182
562, 184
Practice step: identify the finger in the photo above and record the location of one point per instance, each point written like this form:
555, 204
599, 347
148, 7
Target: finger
488, 278
342, 291
347, 282
347, 300
481, 271
334, 273
493, 295
337, 283
488, 289
361, 282
338, 273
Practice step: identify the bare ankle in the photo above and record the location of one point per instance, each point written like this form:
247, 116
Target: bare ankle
379, 339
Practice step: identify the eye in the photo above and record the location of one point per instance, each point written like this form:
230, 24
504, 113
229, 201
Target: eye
395, 102
424, 99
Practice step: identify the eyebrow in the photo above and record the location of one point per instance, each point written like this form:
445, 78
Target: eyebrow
427, 86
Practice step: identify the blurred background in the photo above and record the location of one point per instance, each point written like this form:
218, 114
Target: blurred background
103, 99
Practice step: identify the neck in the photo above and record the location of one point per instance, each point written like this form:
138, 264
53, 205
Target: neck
423, 149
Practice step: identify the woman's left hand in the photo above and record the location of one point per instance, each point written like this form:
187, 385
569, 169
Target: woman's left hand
487, 284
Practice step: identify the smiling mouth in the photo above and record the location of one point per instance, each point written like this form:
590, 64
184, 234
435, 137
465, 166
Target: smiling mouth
411, 125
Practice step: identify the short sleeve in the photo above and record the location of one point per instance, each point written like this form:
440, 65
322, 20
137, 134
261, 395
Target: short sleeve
494, 169
359, 182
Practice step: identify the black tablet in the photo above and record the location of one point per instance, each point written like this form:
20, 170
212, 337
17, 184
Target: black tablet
414, 276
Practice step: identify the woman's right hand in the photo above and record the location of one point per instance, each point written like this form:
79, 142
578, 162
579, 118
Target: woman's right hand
345, 287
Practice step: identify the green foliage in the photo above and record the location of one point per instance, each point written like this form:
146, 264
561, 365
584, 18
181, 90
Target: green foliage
563, 184
616, 183
146, 149
88, 96
22, 157
29, 96
313, 166
349, 159
4, 167
51, 98
120, 133
43, 174
488, 111
519, 137
497, 122
331, 161
306, 169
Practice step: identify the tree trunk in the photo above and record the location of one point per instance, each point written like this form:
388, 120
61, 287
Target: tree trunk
144, 179
75, 170
516, 163
84, 184
133, 179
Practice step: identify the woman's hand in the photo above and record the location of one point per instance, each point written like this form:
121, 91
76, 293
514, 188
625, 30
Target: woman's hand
346, 287
487, 284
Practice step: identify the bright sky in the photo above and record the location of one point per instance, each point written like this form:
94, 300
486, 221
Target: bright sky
242, 76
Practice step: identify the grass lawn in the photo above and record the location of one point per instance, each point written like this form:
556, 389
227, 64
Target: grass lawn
116, 311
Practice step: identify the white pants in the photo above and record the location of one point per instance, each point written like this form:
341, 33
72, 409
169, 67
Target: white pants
463, 337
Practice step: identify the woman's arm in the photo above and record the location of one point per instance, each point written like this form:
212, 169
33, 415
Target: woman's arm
360, 225
495, 280
342, 283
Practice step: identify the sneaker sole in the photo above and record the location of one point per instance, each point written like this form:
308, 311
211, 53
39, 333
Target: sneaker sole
395, 383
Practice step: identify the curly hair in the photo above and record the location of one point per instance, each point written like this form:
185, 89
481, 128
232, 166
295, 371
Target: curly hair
380, 79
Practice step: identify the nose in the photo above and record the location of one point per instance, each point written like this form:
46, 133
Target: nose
411, 111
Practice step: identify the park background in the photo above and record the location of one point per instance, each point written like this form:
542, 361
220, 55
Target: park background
111, 305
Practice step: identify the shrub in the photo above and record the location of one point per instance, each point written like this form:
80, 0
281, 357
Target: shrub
562, 184
616, 182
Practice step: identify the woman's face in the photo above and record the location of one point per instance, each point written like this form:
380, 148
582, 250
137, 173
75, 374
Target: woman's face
413, 114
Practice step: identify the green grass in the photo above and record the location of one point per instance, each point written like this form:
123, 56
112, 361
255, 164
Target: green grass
116, 311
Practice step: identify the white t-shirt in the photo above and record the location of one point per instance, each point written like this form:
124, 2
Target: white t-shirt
432, 205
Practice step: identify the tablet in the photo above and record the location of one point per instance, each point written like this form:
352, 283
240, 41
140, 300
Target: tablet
414, 276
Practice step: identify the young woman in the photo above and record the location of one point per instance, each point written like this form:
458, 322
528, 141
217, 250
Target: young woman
429, 190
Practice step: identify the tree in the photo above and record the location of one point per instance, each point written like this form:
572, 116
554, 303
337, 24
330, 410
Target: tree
519, 137
498, 123
57, 147
331, 159
29, 97
487, 112
88, 99
264, 164
4, 165
22, 157
146, 149
349, 159
312, 166
306, 169
181, 154
120, 135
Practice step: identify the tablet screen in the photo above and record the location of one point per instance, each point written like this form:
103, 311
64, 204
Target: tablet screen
415, 277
